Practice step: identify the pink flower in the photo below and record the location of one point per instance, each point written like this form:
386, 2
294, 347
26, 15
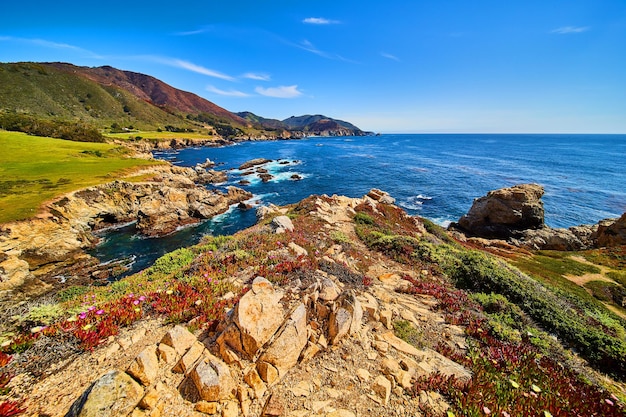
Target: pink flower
609, 402
92, 308
82, 315
486, 410
206, 275
142, 298
505, 414
136, 302
100, 312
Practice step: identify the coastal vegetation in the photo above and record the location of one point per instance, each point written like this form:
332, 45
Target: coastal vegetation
34, 169
518, 368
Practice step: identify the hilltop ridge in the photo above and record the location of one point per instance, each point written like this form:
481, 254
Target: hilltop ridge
121, 101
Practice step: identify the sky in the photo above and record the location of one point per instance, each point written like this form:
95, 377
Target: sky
411, 66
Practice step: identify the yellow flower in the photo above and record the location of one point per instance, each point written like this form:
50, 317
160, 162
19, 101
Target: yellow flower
547, 414
513, 383
535, 388
87, 326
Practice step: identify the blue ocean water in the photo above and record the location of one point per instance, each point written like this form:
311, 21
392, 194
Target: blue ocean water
434, 176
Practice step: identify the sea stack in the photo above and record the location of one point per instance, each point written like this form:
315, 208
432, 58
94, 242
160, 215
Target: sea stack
502, 213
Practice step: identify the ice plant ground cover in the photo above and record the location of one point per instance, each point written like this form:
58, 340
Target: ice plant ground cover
517, 368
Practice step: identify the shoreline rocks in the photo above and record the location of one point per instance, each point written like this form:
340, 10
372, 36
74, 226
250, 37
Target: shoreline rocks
516, 214
46, 246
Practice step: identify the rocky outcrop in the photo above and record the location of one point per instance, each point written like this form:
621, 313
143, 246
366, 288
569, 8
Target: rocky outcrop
516, 215
504, 212
612, 232
171, 198
320, 344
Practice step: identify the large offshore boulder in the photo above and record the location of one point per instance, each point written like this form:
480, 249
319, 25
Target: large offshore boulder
502, 213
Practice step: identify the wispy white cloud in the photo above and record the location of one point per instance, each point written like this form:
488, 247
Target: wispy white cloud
256, 76
389, 56
51, 44
566, 30
279, 92
227, 93
309, 47
193, 32
320, 21
186, 65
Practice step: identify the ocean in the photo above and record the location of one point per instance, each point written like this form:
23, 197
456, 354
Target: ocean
436, 176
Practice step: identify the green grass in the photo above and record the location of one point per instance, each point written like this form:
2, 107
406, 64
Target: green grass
35, 169
154, 135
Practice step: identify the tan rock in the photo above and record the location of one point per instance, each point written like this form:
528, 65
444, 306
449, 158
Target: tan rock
257, 316
114, 394
150, 400
267, 372
230, 409
212, 379
179, 338
145, 367
285, 350
302, 389
382, 387
206, 407
363, 374
386, 316
329, 291
190, 358
339, 325
166, 354
273, 407
400, 344
253, 379
298, 250
341, 413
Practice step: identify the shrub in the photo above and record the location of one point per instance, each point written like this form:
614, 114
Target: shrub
172, 262
407, 332
71, 293
44, 313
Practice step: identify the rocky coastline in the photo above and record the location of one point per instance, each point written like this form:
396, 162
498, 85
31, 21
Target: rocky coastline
515, 215
43, 250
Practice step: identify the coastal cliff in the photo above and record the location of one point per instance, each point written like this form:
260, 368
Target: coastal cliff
164, 198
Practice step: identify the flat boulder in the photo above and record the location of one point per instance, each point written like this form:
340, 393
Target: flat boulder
504, 212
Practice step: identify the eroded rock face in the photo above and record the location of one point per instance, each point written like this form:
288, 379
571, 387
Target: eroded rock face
502, 212
170, 199
612, 233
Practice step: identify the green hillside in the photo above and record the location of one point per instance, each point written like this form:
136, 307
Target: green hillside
45, 92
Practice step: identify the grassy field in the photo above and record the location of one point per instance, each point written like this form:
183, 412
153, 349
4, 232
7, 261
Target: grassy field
144, 134
35, 169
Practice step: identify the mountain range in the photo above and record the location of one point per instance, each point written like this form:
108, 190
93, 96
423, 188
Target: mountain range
109, 98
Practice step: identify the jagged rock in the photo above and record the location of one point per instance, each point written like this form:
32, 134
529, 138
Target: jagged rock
253, 379
114, 394
281, 224
284, 351
339, 325
256, 318
166, 353
380, 196
502, 212
254, 162
273, 407
145, 367
298, 250
212, 379
268, 372
382, 387
179, 338
206, 407
189, 359
329, 291
612, 233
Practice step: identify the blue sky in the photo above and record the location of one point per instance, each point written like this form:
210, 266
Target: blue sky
387, 66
